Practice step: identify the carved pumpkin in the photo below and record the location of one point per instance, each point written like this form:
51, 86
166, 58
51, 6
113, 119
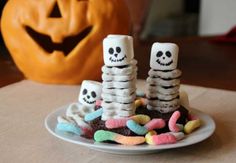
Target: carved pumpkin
60, 41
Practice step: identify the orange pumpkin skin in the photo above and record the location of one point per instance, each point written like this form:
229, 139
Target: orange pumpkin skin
84, 61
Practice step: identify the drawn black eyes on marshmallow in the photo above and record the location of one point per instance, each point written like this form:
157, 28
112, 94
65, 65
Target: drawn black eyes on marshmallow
111, 50
85, 91
93, 94
160, 53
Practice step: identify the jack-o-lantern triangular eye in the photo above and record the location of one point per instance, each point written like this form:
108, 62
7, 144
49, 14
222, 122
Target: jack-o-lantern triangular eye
55, 13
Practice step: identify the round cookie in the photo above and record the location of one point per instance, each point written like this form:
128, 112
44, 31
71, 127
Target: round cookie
163, 82
160, 96
119, 78
120, 99
120, 85
118, 106
162, 89
124, 70
173, 74
119, 92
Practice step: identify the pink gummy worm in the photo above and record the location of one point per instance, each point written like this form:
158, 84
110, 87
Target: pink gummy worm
172, 122
116, 123
98, 102
164, 139
155, 123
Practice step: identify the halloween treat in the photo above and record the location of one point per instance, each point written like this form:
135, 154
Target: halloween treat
165, 138
102, 135
172, 122
142, 130
90, 92
119, 76
190, 126
59, 41
115, 112
163, 81
121, 122
91, 116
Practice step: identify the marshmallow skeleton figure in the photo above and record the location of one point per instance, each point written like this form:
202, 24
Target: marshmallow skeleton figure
119, 62
163, 82
90, 92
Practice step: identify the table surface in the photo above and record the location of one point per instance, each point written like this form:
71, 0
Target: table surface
23, 137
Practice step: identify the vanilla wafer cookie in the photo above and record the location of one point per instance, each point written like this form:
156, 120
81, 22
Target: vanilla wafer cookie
122, 70
162, 96
162, 90
163, 109
120, 99
118, 106
121, 78
161, 103
119, 92
120, 85
173, 74
163, 82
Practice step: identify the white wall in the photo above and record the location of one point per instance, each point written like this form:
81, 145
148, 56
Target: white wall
217, 16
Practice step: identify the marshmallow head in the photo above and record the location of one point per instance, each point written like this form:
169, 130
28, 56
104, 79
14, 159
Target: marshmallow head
90, 91
118, 50
164, 56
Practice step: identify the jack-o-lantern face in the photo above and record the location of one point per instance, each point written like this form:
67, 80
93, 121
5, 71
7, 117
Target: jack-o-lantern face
60, 41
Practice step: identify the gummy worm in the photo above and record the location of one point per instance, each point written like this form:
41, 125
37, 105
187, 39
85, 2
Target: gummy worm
172, 122
102, 135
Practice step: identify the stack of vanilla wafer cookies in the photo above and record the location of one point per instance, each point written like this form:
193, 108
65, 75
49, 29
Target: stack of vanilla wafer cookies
164, 78
119, 77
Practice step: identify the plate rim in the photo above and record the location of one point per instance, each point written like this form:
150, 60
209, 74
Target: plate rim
124, 148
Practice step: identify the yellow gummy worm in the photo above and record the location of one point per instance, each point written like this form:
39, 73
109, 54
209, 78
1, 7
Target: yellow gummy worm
192, 125
141, 119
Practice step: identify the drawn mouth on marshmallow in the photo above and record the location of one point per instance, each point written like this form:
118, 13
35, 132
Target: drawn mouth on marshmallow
164, 64
117, 60
89, 102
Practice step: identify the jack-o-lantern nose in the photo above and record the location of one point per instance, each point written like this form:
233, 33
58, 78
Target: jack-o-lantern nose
55, 13
88, 97
116, 55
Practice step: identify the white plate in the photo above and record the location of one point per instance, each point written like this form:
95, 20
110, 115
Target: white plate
205, 131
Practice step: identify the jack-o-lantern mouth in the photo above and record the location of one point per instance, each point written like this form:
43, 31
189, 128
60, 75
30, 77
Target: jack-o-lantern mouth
117, 60
49, 46
89, 102
164, 64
